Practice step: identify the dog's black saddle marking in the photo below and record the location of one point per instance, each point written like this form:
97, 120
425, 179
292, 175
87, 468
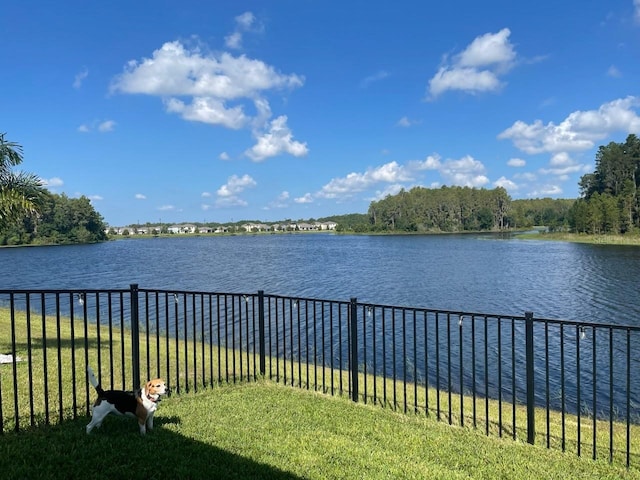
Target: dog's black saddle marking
125, 402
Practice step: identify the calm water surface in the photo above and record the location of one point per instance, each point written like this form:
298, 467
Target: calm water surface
473, 273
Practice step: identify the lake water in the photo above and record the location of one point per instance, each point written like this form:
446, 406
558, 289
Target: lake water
473, 273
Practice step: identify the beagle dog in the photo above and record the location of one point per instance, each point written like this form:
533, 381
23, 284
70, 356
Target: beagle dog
142, 405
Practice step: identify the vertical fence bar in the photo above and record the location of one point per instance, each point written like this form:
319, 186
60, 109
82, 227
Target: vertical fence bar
628, 400
83, 299
353, 319
30, 359
531, 394
135, 337
44, 359
461, 372
261, 339
16, 413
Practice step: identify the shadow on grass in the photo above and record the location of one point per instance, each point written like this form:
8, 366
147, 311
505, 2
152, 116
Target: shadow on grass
117, 450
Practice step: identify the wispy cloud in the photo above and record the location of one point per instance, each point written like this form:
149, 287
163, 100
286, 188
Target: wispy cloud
244, 23
228, 195
53, 182
80, 77
376, 77
103, 126
613, 71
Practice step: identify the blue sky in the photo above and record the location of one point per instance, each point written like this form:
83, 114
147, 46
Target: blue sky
221, 111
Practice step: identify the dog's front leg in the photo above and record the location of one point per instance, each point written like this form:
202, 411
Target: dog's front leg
143, 428
150, 421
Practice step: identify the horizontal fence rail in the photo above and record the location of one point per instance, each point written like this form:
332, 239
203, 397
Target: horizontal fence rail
563, 384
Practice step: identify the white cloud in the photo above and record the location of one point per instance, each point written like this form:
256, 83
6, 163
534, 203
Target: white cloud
80, 77
613, 71
505, 183
167, 208
579, 131
102, 126
246, 20
216, 88
277, 140
354, 182
432, 162
465, 172
175, 70
516, 162
206, 194
52, 182
478, 68
233, 40
95, 197
490, 49
232, 201
389, 190
106, 126
281, 201
469, 80
140, 196
406, 122
546, 191
526, 176
228, 194
244, 23
636, 7
306, 198
376, 77
208, 110
224, 156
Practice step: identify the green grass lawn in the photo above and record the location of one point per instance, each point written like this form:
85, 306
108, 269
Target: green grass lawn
266, 430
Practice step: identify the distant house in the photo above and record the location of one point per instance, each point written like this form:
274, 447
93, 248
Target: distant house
327, 225
307, 227
205, 230
182, 228
256, 227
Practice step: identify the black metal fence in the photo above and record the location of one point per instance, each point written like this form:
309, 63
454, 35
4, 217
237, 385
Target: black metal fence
564, 384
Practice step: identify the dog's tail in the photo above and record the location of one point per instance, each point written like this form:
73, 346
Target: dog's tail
93, 380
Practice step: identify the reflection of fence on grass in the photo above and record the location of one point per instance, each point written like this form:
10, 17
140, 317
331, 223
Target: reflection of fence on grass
568, 382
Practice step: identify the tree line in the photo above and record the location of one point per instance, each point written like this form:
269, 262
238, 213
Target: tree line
609, 203
463, 209
30, 214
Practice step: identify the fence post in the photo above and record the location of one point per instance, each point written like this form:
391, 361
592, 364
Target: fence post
261, 333
531, 395
353, 347
135, 337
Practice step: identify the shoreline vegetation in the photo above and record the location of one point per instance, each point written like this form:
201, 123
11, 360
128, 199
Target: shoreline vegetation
538, 233
602, 239
53, 339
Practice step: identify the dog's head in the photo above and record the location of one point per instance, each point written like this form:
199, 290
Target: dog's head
156, 387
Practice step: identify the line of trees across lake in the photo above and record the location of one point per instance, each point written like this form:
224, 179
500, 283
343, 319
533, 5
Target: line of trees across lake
609, 203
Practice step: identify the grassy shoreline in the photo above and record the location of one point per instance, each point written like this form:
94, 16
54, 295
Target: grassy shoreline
631, 240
